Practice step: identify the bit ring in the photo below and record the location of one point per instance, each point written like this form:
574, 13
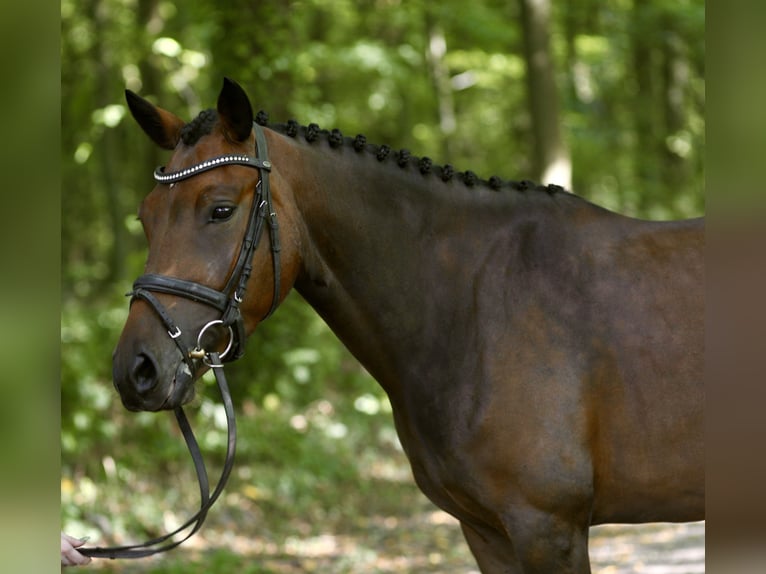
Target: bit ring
199, 353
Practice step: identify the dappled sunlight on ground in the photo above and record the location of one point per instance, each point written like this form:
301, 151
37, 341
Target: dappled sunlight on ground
421, 540
323, 516
658, 548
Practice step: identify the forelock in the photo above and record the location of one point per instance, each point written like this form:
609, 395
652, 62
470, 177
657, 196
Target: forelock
198, 127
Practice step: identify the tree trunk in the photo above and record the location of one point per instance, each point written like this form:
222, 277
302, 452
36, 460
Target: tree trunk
675, 75
436, 50
107, 154
551, 160
645, 106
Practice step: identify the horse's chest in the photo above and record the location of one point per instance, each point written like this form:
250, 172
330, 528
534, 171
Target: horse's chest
440, 465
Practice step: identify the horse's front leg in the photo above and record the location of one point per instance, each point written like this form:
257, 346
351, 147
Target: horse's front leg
493, 552
549, 541
535, 542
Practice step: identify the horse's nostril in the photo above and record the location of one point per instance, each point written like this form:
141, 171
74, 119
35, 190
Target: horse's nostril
144, 373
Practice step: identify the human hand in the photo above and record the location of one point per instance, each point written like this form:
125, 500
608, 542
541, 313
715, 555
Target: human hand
69, 554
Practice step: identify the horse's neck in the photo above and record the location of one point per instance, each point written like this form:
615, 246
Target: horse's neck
392, 258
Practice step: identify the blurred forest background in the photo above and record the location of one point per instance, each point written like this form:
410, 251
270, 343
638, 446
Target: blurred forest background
606, 98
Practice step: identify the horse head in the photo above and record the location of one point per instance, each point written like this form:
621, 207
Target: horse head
213, 268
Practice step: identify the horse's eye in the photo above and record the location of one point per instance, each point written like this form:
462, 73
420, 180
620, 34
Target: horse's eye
222, 212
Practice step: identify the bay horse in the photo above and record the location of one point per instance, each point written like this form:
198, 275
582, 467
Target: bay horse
543, 356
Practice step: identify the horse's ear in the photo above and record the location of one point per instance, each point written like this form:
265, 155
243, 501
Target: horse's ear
162, 126
235, 111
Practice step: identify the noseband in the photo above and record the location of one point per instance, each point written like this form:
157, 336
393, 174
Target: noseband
227, 301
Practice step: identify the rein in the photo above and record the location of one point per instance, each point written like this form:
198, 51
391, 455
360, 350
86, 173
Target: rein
161, 544
227, 302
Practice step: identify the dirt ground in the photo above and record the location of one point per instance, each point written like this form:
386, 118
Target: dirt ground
424, 541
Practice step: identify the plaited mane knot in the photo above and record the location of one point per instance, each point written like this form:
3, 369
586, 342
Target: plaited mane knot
336, 138
198, 127
425, 165
383, 152
360, 142
525, 185
312, 133
470, 178
495, 182
404, 158
448, 172
292, 128
261, 118
552, 188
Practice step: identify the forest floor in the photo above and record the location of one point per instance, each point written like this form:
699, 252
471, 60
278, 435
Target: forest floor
304, 503
401, 532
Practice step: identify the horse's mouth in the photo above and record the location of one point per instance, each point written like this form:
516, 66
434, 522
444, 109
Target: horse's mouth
181, 388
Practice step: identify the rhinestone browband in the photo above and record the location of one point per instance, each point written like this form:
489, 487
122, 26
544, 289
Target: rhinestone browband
169, 177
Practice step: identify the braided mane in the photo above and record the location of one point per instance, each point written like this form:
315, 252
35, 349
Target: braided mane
198, 127
312, 133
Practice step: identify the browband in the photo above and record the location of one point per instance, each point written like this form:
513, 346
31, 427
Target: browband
171, 177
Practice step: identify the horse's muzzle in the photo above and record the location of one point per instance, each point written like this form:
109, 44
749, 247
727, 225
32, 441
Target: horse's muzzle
144, 385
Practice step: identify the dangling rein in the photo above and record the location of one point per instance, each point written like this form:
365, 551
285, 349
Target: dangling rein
227, 303
162, 544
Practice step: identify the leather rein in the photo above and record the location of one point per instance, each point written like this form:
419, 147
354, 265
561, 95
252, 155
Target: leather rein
227, 301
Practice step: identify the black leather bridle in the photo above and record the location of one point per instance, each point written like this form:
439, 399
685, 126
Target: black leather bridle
227, 301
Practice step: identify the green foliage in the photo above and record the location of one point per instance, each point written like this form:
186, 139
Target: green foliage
636, 133
317, 436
